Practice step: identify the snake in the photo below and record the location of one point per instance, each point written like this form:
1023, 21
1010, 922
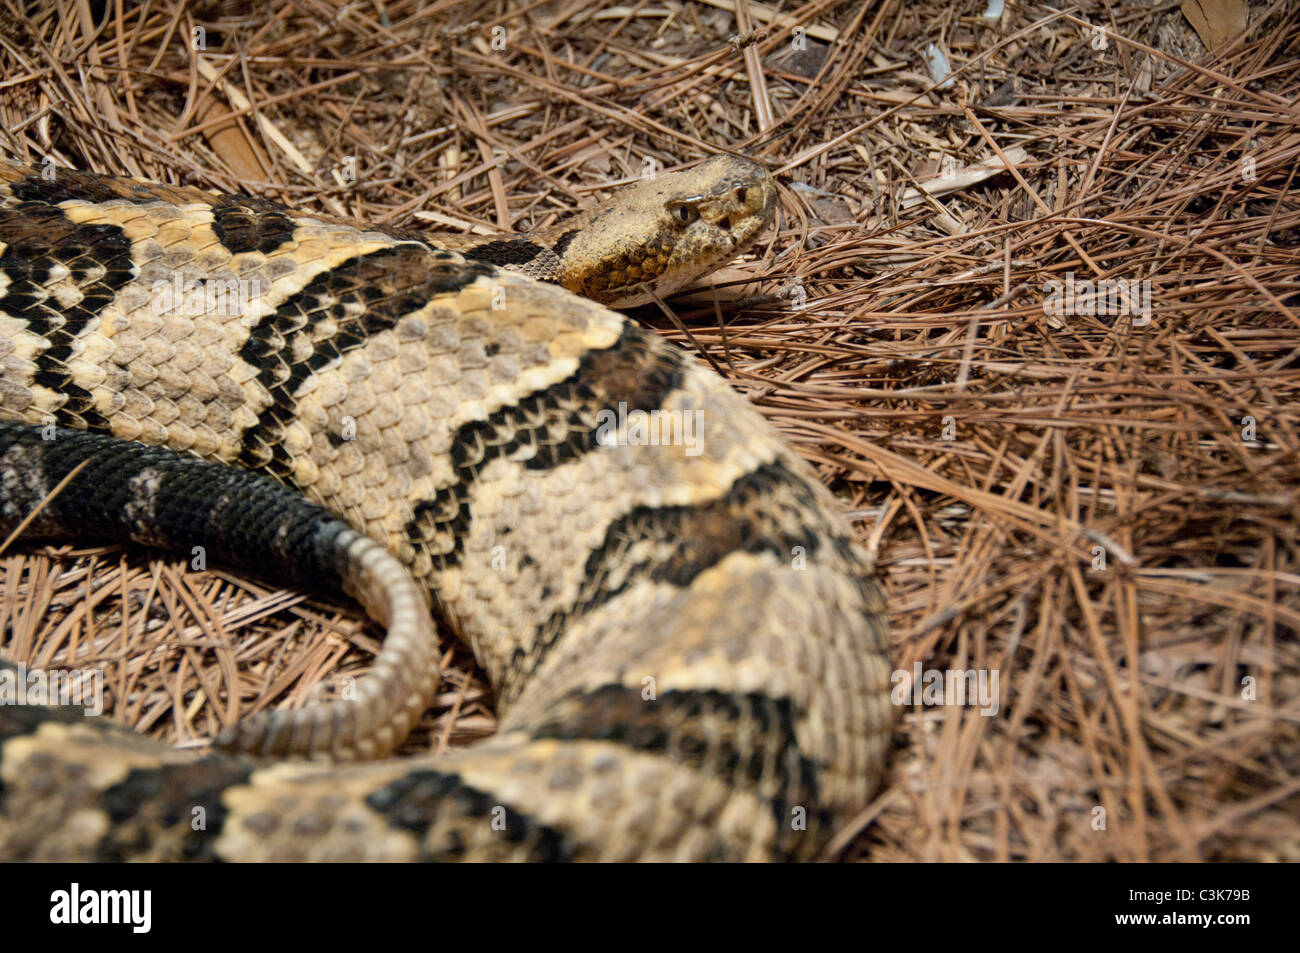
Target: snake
687, 644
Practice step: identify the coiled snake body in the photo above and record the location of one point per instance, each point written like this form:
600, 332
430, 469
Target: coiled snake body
688, 650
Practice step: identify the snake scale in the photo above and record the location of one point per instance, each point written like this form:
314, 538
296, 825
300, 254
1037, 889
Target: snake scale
688, 650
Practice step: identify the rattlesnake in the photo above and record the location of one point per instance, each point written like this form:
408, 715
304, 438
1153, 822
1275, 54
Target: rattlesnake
688, 649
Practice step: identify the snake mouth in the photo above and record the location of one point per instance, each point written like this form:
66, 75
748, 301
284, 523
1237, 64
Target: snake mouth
750, 203
664, 233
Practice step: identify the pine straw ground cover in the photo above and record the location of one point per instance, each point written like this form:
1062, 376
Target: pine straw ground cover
1096, 503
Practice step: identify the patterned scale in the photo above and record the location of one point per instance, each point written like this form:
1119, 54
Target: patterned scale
689, 652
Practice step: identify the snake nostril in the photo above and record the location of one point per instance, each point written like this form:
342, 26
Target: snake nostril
741, 195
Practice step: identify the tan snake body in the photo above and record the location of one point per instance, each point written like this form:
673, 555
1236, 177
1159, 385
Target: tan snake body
688, 649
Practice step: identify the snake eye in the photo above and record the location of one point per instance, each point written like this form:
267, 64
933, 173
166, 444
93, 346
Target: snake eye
683, 212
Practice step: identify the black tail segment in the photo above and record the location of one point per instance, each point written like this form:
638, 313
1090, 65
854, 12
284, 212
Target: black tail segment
151, 495
128, 491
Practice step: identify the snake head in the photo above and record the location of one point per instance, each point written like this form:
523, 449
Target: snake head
661, 234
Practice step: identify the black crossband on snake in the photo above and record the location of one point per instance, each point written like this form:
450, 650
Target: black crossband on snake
688, 650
